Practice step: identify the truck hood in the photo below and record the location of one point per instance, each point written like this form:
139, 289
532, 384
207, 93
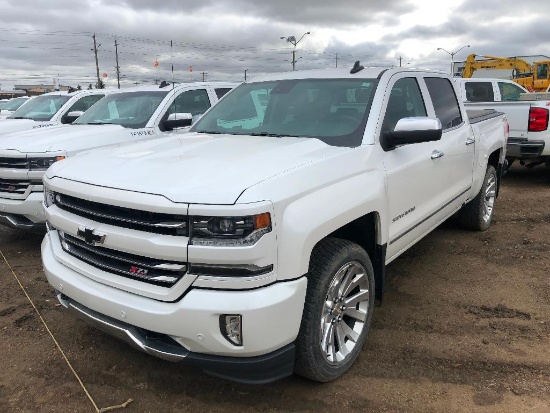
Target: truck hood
17, 125
60, 138
193, 168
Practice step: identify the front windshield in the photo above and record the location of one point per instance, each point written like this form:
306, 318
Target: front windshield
128, 109
332, 110
14, 103
41, 108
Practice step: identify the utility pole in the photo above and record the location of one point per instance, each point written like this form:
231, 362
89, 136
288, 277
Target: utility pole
96, 61
292, 40
400, 59
336, 58
204, 75
245, 70
117, 67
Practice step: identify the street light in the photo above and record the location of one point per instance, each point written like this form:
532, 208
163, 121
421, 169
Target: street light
452, 55
292, 40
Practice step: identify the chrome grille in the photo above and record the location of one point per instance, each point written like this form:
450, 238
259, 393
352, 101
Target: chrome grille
14, 186
150, 270
15, 163
159, 223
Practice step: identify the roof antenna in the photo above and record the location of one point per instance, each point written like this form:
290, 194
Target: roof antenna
357, 67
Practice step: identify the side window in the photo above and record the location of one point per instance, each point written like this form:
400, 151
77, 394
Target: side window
509, 91
195, 102
444, 100
542, 71
222, 91
405, 101
85, 103
480, 92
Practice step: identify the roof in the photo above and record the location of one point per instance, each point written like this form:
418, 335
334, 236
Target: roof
341, 73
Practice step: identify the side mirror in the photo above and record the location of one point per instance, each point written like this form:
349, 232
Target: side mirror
178, 120
412, 130
71, 116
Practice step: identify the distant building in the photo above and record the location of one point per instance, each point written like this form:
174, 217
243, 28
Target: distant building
8, 94
33, 90
458, 67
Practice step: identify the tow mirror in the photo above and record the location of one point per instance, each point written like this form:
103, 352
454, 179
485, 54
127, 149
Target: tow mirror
412, 130
71, 116
178, 120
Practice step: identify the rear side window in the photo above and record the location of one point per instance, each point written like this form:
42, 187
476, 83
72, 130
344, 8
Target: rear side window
444, 100
509, 91
479, 92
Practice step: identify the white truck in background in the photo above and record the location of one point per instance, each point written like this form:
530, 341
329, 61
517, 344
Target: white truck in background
12, 105
123, 116
50, 109
527, 114
255, 245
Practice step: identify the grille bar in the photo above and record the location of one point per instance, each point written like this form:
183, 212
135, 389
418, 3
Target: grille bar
159, 223
14, 186
15, 163
150, 270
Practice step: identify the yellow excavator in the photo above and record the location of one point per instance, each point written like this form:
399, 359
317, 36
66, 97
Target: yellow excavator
535, 77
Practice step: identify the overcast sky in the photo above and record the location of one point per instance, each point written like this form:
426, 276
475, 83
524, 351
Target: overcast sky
41, 40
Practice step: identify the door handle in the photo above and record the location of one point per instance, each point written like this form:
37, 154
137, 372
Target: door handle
469, 141
437, 154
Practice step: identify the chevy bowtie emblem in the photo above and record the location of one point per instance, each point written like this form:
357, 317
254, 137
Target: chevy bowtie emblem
90, 236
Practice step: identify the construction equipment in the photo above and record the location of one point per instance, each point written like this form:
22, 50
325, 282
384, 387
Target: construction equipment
534, 78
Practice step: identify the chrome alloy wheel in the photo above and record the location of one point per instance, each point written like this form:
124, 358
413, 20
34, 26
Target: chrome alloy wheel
489, 199
345, 312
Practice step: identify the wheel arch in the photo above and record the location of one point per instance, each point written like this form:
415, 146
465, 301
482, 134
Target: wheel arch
366, 232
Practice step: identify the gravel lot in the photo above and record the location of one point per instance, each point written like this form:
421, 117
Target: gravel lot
464, 327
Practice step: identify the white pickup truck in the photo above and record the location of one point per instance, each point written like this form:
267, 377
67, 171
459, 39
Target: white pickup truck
255, 246
527, 114
123, 116
12, 105
50, 109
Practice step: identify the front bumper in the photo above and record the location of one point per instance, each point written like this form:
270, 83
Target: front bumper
253, 370
188, 329
27, 214
524, 149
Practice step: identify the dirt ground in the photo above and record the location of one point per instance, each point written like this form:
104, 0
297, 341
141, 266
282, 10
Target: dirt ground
465, 327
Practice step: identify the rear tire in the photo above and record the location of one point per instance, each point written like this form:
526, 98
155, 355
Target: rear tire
337, 311
477, 215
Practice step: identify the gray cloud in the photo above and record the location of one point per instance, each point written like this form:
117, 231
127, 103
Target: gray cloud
42, 40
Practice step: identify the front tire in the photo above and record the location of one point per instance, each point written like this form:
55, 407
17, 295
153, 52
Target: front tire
337, 311
477, 215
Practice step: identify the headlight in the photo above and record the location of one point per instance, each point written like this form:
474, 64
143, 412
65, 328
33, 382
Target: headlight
41, 164
49, 197
229, 231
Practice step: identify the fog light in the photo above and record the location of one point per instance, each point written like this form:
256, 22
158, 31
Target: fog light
231, 328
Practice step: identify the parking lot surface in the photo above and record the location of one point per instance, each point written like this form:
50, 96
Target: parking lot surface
464, 327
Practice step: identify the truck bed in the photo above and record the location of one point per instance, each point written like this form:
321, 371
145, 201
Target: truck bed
479, 115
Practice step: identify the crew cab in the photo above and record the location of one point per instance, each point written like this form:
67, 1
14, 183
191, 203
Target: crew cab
50, 109
123, 116
527, 114
256, 245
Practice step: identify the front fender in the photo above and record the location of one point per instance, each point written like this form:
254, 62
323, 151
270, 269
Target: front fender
307, 220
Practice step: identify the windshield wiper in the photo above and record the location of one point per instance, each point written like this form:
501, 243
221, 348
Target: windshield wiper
96, 123
210, 132
20, 117
276, 135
